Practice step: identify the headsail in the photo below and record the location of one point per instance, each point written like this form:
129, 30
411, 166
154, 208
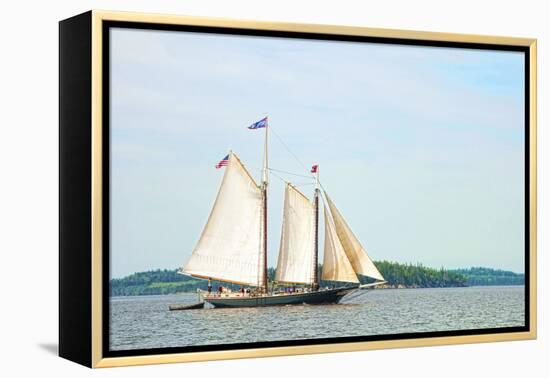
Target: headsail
229, 248
296, 253
358, 257
336, 265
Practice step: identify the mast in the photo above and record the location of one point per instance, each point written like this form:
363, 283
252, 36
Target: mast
264, 195
315, 285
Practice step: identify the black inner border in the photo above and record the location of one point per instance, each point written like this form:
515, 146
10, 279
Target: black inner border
106, 27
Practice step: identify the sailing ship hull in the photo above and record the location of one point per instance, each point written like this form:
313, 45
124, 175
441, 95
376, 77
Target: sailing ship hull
329, 296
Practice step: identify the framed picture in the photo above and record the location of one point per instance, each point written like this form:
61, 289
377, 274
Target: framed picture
235, 189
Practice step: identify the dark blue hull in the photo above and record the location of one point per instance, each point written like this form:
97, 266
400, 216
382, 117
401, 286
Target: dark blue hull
316, 297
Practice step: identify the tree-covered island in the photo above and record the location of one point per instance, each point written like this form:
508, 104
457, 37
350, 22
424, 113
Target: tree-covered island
168, 281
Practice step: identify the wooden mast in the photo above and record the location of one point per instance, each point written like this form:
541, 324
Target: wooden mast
315, 285
265, 284
264, 187
316, 251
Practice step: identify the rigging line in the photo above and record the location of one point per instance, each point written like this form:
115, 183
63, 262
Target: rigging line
277, 170
279, 177
271, 171
255, 168
323, 199
289, 173
322, 187
292, 153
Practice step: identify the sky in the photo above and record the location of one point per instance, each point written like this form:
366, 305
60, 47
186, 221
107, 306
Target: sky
420, 148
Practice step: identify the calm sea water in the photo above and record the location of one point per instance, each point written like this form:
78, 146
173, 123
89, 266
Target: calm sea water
145, 322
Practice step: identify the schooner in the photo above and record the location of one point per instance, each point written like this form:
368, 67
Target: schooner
233, 245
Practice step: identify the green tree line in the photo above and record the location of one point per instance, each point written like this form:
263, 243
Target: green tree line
478, 276
168, 281
417, 275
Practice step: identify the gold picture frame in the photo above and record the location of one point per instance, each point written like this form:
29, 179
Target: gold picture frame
81, 41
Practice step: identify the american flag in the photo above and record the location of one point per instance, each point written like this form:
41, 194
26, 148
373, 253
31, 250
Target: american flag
223, 162
314, 168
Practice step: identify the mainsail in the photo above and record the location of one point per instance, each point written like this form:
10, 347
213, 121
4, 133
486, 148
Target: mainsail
336, 265
230, 246
296, 253
357, 256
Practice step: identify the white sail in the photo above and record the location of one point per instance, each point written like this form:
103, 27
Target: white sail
358, 257
296, 253
230, 246
336, 265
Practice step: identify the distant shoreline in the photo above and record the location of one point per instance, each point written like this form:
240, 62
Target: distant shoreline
386, 287
377, 288
399, 276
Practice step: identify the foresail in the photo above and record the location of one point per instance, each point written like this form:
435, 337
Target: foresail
336, 265
296, 253
357, 255
229, 248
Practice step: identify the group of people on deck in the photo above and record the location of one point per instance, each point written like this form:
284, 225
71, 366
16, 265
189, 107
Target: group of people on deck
246, 291
290, 290
222, 289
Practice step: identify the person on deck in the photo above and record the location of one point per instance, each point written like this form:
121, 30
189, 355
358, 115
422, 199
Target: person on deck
209, 286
